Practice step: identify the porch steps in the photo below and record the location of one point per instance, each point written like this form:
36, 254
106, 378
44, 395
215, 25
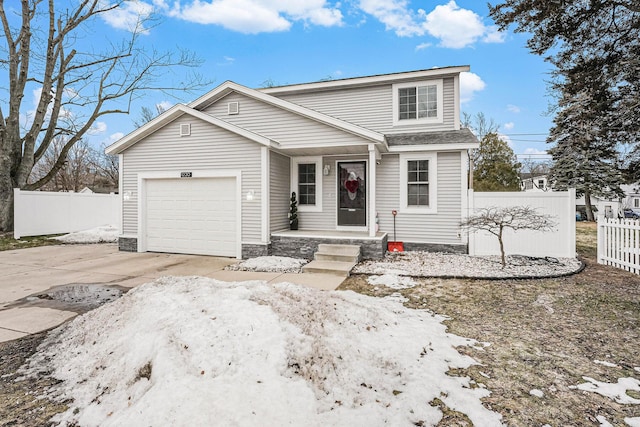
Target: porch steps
334, 259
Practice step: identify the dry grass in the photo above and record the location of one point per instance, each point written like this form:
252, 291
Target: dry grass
7, 242
543, 334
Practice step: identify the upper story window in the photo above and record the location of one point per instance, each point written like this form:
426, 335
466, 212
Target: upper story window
418, 102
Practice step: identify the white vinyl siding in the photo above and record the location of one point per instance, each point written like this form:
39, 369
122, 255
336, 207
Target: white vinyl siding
279, 191
207, 148
287, 128
441, 227
372, 107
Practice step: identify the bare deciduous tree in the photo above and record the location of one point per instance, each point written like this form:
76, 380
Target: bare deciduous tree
44, 49
496, 219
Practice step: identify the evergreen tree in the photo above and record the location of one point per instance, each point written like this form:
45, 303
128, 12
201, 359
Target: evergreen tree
496, 166
583, 156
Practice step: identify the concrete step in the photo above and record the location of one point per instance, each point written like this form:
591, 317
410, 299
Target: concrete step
319, 256
351, 250
329, 267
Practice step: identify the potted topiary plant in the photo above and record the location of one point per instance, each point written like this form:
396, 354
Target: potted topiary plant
293, 212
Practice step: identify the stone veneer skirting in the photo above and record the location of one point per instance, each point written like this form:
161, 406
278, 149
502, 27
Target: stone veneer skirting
305, 247
436, 247
128, 244
255, 250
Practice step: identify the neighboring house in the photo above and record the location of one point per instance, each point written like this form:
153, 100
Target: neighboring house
215, 176
530, 182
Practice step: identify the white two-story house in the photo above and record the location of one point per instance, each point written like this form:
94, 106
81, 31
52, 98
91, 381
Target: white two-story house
215, 176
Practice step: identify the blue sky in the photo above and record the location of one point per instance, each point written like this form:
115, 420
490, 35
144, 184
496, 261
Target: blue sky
292, 41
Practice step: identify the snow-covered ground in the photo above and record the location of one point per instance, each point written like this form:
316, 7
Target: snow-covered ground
102, 234
278, 264
439, 264
196, 351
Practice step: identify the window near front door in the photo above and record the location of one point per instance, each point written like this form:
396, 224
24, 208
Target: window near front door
307, 183
418, 183
636, 203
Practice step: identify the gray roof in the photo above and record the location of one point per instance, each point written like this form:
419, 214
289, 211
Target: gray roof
462, 136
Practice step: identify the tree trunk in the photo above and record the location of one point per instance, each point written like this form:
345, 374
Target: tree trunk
588, 206
6, 196
502, 257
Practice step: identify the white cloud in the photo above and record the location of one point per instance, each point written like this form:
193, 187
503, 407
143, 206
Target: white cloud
513, 108
129, 16
98, 128
164, 105
395, 15
258, 16
535, 151
506, 139
115, 136
508, 126
423, 46
454, 26
470, 83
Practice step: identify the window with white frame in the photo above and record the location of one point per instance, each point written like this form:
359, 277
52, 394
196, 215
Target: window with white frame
306, 181
418, 186
419, 102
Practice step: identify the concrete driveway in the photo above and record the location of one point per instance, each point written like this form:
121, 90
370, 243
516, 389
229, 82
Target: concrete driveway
28, 272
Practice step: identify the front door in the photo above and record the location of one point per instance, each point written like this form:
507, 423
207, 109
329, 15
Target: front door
352, 194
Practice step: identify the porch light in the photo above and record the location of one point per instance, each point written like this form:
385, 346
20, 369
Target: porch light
126, 196
326, 170
250, 195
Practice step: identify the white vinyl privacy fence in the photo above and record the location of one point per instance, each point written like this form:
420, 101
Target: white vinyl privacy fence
39, 213
619, 243
559, 243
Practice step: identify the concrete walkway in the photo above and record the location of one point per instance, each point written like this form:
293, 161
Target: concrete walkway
27, 272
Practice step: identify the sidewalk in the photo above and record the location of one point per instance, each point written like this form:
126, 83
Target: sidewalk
28, 272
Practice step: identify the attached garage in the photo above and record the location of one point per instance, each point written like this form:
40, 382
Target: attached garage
191, 215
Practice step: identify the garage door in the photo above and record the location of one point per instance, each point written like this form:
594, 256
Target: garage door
191, 216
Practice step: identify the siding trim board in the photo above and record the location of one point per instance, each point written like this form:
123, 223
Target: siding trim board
145, 176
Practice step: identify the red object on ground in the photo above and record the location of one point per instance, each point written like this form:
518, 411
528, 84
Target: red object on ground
395, 246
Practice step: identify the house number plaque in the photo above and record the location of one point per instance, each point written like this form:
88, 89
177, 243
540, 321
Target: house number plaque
186, 174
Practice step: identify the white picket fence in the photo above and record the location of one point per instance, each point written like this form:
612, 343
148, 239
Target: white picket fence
559, 243
39, 213
619, 243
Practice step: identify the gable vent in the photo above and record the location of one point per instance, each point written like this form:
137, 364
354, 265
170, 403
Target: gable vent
185, 129
233, 108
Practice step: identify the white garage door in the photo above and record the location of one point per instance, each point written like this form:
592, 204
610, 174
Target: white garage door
191, 216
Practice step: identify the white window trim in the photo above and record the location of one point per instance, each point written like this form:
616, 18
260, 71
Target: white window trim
294, 182
433, 183
425, 120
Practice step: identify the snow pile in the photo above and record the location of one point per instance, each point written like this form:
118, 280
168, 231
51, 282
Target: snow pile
191, 351
278, 264
617, 391
102, 234
441, 264
393, 281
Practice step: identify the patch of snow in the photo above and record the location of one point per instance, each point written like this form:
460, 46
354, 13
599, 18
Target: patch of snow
440, 264
616, 392
637, 368
102, 234
392, 281
251, 353
276, 264
633, 421
605, 363
537, 393
603, 421
397, 297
